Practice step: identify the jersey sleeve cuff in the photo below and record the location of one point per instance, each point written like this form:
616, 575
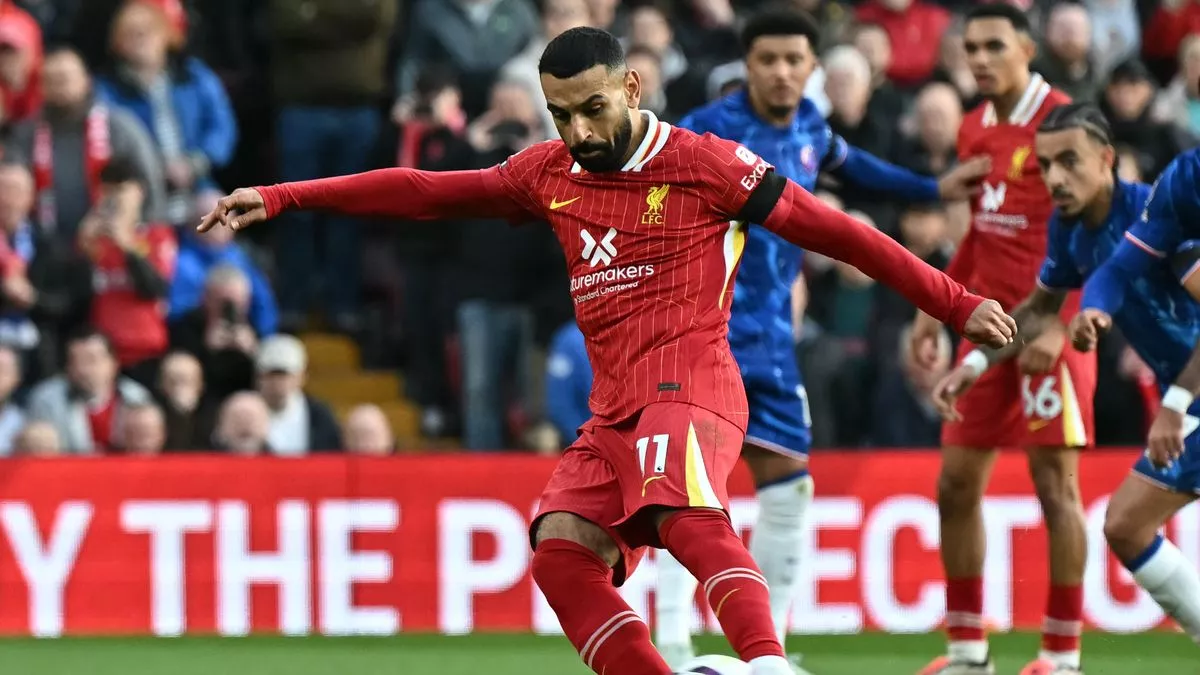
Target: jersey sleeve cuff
963, 311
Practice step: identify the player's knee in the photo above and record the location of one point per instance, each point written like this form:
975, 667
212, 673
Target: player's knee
1056, 484
768, 467
959, 492
570, 527
1123, 531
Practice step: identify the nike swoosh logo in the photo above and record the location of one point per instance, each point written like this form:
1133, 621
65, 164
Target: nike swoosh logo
648, 481
555, 204
1038, 425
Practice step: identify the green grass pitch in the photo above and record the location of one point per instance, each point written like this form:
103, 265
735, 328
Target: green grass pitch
870, 654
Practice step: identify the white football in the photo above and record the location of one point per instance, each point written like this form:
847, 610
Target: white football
714, 664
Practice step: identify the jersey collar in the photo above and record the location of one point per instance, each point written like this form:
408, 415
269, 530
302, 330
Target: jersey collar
1027, 107
656, 137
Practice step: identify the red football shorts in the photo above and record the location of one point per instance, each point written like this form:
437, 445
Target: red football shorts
670, 454
1007, 408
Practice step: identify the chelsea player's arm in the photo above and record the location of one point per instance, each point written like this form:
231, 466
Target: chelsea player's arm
1185, 262
866, 171
1056, 278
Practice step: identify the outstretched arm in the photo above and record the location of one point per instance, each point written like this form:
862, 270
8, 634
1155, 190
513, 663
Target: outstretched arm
867, 171
1033, 315
805, 221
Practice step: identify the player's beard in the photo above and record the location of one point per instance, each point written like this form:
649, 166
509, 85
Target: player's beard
610, 155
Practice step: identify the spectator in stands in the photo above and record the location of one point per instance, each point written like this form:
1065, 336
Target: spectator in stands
243, 425
20, 63
177, 98
219, 333
568, 382
12, 417
475, 37
1116, 32
143, 430
903, 413
650, 28
953, 68
328, 63
368, 432
913, 26
84, 403
71, 141
1129, 166
937, 116
299, 424
872, 41
848, 84
1179, 103
1126, 103
131, 264
1171, 22
199, 255
649, 67
1065, 60
188, 413
54, 17
37, 439
19, 241
609, 15
557, 17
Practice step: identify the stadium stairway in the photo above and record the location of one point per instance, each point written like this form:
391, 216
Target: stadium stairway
336, 376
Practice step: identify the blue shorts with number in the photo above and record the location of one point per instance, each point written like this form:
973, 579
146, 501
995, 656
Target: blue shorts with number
779, 416
1182, 476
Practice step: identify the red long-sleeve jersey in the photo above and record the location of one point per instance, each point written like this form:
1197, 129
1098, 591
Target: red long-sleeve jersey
652, 250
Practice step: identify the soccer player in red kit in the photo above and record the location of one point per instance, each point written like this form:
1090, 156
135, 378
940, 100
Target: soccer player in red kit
1042, 401
650, 218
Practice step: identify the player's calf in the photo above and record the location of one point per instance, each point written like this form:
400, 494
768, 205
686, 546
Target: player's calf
572, 565
1055, 478
1136, 511
705, 543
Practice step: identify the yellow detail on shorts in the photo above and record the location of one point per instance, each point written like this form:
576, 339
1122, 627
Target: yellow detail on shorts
699, 490
650, 480
1074, 433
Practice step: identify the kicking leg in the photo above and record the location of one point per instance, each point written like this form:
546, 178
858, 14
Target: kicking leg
964, 476
573, 564
1055, 473
785, 491
1135, 513
703, 540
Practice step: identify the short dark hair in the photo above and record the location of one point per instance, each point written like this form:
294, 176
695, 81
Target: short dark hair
580, 49
87, 331
780, 20
120, 170
1001, 10
1085, 116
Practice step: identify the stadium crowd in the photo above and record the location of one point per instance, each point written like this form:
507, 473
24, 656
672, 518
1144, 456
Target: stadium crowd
123, 331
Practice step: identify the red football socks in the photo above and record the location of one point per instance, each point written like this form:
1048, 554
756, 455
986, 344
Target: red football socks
703, 542
610, 638
964, 609
1064, 619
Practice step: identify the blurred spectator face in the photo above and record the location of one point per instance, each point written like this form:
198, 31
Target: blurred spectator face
16, 197
873, 42
923, 230
16, 55
368, 432
562, 15
144, 430
1128, 98
1189, 63
226, 287
10, 373
65, 81
91, 366
939, 115
243, 424
1075, 167
848, 84
649, 28
1129, 169
181, 381
280, 365
38, 439
777, 70
897, 6
649, 70
511, 101
603, 12
1069, 32
997, 54
121, 202
141, 36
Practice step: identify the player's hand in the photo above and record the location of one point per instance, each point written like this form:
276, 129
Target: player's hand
923, 341
1165, 443
988, 325
1087, 327
1039, 356
949, 388
236, 211
963, 180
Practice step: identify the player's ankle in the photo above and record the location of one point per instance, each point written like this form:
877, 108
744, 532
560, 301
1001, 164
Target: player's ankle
770, 665
968, 651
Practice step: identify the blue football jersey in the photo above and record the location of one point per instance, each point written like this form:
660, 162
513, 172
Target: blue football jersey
761, 319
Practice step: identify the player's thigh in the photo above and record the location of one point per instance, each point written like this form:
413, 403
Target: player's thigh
990, 412
1141, 505
676, 456
778, 434
1057, 406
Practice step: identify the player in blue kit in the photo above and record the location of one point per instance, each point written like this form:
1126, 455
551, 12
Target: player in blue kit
771, 117
1124, 244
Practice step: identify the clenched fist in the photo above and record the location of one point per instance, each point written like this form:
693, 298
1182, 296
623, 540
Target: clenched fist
988, 325
1087, 327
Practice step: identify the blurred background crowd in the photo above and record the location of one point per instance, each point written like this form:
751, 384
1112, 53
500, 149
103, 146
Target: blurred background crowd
123, 120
